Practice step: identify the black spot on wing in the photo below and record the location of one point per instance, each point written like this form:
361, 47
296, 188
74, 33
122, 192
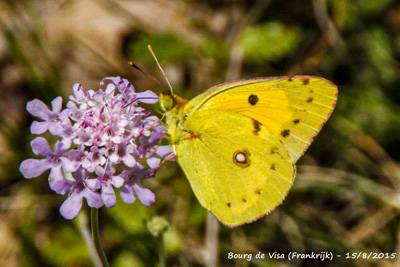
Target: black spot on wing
256, 127
306, 81
253, 99
273, 166
228, 204
273, 150
285, 133
296, 121
310, 99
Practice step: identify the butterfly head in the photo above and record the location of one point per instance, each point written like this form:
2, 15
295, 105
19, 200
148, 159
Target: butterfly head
169, 101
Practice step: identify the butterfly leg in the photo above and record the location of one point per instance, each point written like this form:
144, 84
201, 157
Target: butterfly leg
170, 156
192, 136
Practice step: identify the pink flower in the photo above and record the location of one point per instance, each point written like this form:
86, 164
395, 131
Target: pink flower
104, 136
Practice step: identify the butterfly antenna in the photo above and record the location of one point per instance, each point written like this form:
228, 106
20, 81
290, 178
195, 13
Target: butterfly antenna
133, 65
159, 66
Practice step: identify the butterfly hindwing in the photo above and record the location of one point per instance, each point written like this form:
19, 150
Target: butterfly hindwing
240, 174
293, 109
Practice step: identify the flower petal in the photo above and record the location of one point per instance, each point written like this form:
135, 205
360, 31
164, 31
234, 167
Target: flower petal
80, 175
71, 206
58, 183
164, 151
34, 167
41, 147
56, 129
56, 104
93, 184
116, 80
148, 97
127, 194
39, 127
110, 88
108, 195
117, 181
156, 134
153, 162
67, 141
60, 148
56, 173
79, 94
129, 160
61, 186
64, 115
70, 165
93, 199
144, 194
38, 109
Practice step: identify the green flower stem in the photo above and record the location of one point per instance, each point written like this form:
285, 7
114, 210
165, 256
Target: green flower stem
82, 222
161, 255
94, 212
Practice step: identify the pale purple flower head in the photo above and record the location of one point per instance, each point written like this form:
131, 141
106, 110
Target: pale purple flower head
107, 141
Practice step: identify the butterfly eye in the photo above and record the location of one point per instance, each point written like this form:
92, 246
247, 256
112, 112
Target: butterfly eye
166, 101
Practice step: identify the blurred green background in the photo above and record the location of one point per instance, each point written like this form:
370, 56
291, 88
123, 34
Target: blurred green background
346, 197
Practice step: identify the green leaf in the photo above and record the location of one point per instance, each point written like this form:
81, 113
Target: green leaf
167, 47
268, 41
215, 48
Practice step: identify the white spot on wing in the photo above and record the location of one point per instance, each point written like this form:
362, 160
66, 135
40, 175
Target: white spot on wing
240, 157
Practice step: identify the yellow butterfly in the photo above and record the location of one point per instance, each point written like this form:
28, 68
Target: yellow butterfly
238, 142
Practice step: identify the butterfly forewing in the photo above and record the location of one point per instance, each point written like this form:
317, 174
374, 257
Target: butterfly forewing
293, 109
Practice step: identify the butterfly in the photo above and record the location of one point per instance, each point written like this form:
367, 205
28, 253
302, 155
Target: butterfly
238, 142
